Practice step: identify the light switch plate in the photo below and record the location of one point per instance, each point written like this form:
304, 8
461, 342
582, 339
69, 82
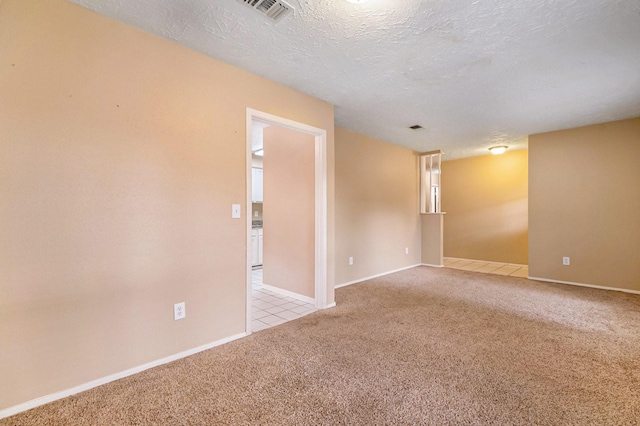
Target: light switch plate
235, 211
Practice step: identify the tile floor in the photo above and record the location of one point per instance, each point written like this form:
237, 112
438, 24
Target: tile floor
270, 309
511, 269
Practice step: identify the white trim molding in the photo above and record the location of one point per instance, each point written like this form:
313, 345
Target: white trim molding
291, 294
599, 287
321, 204
377, 275
112, 377
430, 265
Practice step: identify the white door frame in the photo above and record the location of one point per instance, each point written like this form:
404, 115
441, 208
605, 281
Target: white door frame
320, 136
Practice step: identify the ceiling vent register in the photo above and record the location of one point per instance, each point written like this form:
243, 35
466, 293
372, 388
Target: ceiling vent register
274, 9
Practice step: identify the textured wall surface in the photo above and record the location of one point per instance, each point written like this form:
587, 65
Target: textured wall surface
584, 203
121, 156
376, 207
486, 203
289, 210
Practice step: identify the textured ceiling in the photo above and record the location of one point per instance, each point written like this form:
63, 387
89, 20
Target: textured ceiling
472, 73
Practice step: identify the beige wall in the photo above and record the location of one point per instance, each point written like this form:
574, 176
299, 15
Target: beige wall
377, 211
584, 193
121, 156
485, 199
432, 229
289, 210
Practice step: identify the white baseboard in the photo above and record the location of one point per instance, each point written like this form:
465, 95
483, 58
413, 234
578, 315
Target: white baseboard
624, 290
433, 266
287, 293
376, 276
110, 378
330, 305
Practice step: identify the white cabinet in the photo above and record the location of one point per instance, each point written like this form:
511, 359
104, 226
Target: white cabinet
256, 246
256, 185
260, 246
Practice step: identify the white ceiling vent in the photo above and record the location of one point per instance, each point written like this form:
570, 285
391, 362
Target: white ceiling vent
274, 9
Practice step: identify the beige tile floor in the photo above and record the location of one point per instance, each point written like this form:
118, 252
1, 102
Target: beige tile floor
511, 269
270, 309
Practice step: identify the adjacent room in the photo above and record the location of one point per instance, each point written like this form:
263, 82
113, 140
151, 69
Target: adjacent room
292, 212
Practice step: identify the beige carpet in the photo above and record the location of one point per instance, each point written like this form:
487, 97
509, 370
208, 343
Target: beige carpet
424, 346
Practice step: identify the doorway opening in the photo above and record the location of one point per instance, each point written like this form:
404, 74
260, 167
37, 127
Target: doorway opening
316, 192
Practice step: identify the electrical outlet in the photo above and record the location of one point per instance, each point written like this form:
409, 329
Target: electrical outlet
179, 311
566, 261
406, 250
351, 260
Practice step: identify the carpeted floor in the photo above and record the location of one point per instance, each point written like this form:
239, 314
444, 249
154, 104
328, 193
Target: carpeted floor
421, 347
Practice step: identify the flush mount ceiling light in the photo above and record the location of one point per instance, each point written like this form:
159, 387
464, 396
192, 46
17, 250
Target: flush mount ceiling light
497, 150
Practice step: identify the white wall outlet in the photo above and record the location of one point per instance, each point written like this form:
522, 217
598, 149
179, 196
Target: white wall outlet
235, 211
255, 214
351, 260
406, 250
566, 261
179, 311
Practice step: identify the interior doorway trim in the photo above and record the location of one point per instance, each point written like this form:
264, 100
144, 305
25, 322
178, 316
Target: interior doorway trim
320, 136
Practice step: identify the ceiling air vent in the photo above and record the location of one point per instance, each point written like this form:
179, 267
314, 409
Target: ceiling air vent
274, 9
